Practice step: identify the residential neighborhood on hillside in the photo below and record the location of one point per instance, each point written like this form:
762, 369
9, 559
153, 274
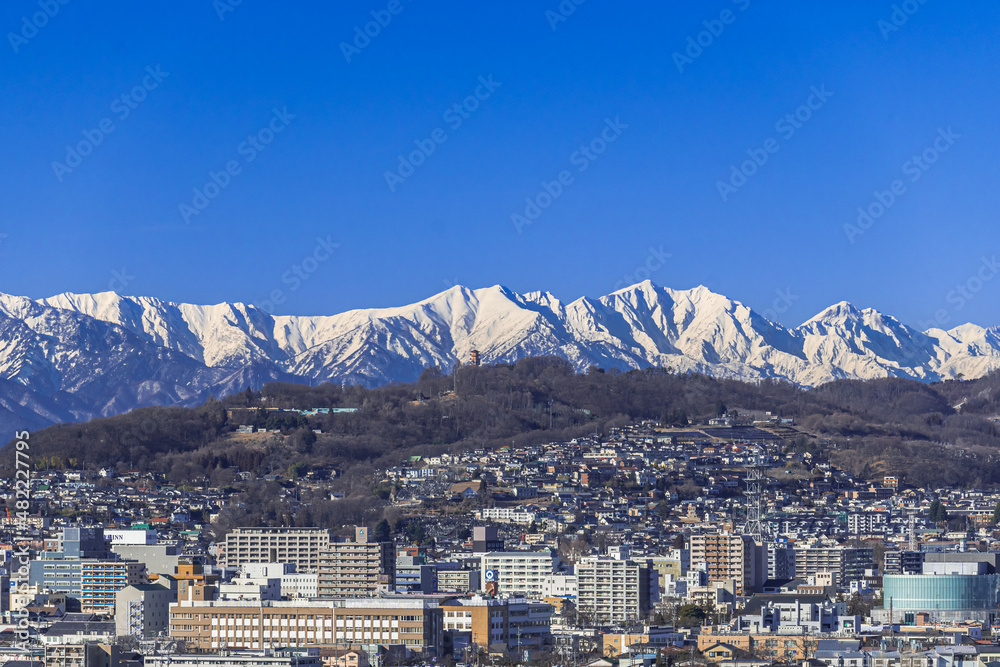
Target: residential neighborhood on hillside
732, 542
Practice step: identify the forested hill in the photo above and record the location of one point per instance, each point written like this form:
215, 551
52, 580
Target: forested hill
928, 434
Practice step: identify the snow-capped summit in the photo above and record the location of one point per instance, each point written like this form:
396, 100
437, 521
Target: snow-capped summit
74, 356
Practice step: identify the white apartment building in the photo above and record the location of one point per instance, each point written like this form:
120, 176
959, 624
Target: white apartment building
867, 522
508, 515
523, 572
614, 589
560, 585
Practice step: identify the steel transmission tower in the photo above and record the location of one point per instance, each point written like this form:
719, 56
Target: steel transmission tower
756, 468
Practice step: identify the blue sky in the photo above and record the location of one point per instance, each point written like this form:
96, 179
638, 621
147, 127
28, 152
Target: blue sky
330, 122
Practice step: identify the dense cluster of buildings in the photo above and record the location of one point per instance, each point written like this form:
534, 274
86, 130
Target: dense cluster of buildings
648, 543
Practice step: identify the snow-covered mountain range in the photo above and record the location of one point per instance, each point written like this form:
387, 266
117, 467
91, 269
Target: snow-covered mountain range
76, 356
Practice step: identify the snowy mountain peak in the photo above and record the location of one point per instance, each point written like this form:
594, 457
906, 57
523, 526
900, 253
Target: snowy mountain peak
102, 353
838, 313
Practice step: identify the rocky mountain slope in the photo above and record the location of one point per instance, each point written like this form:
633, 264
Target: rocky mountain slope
75, 356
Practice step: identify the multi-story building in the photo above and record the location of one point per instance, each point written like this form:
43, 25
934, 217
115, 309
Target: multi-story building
866, 523
300, 546
392, 621
80, 654
843, 563
454, 579
903, 562
815, 614
84, 542
486, 539
508, 515
484, 622
295, 585
816, 559
159, 558
560, 585
614, 589
143, 610
192, 581
100, 580
415, 575
854, 564
358, 568
727, 556
523, 572
780, 561
56, 575
944, 597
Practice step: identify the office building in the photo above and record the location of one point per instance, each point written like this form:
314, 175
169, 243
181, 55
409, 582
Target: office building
56, 574
392, 621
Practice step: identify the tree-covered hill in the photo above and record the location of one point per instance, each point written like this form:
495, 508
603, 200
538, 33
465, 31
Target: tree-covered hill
889, 426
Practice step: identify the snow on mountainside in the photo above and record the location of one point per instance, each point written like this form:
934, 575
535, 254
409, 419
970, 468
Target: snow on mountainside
75, 356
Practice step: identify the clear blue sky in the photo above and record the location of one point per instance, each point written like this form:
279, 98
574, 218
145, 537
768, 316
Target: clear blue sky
655, 186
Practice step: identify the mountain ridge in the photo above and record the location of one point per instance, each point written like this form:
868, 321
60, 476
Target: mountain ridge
76, 356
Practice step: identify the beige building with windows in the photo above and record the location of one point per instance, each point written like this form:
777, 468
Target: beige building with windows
357, 568
392, 621
727, 556
301, 546
80, 654
493, 623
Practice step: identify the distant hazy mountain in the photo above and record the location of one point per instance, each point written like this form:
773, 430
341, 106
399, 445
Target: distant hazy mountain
76, 356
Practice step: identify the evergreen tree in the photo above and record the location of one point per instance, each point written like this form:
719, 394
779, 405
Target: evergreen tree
937, 512
381, 532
